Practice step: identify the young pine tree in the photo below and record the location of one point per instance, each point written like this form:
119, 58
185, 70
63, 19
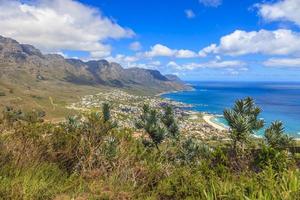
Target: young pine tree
170, 122
243, 120
106, 112
276, 138
272, 154
150, 122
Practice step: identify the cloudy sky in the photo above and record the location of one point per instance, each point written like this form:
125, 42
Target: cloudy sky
247, 40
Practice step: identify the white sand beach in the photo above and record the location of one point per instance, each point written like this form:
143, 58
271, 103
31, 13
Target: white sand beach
209, 119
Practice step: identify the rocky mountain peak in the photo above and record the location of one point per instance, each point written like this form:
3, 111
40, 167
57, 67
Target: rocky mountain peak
17, 52
31, 50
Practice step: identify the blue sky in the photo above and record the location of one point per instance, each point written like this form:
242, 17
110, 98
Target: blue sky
246, 40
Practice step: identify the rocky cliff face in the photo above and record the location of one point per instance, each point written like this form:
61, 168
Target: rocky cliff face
21, 62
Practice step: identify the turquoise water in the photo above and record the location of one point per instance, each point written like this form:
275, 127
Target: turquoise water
279, 101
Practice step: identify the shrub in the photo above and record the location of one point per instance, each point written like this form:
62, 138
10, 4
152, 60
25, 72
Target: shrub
181, 185
10, 115
276, 138
106, 112
243, 120
85, 144
219, 161
170, 123
270, 157
150, 122
191, 151
25, 138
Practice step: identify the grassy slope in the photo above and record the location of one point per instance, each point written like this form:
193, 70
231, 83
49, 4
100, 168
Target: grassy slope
51, 97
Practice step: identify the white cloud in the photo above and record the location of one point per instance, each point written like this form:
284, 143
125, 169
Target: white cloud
151, 65
278, 42
284, 10
130, 59
211, 3
160, 50
216, 64
61, 54
122, 59
174, 65
133, 61
132, 65
135, 46
183, 53
283, 62
56, 25
190, 14
207, 50
101, 53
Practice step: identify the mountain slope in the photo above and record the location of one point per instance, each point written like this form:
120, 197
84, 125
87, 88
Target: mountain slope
29, 77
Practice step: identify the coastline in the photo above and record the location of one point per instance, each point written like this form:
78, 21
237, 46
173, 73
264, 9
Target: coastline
162, 93
208, 118
174, 91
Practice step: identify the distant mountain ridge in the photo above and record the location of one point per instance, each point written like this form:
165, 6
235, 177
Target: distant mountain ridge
23, 62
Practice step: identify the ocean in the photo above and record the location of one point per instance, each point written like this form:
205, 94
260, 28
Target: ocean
279, 101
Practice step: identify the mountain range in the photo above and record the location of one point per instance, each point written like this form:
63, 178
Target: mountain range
26, 72
16, 58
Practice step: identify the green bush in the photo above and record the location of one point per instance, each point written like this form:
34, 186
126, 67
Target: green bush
2, 94
276, 138
192, 151
219, 161
150, 122
181, 185
270, 157
84, 145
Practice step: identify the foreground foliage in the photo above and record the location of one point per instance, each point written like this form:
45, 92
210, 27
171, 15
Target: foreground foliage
89, 157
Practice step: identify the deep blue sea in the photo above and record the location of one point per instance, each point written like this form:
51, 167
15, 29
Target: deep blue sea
279, 101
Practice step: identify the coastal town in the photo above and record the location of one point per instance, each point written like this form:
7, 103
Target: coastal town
125, 107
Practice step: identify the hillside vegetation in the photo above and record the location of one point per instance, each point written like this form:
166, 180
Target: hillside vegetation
90, 157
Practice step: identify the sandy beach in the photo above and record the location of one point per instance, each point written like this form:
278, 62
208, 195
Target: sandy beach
209, 119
